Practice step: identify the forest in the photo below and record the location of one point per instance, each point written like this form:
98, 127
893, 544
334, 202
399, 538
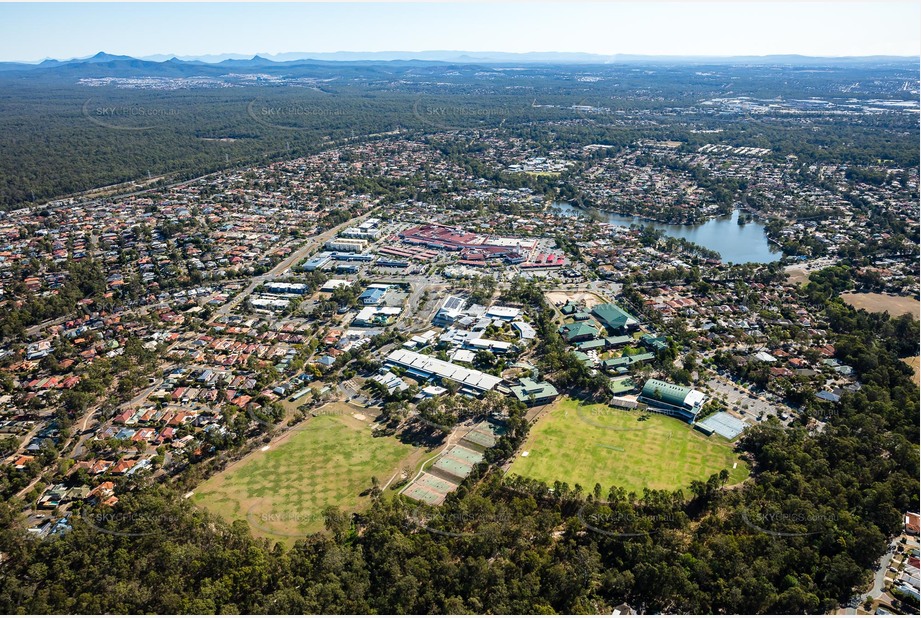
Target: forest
69, 129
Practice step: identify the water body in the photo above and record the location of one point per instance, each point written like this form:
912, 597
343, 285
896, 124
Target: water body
736, 244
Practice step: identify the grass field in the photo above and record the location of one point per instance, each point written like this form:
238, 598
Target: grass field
877, 303
599, 444
281, 492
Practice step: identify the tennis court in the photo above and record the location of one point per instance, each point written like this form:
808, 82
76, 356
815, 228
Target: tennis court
724, 424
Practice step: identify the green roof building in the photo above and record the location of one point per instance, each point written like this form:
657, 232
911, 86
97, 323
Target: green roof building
582, 356
578, 331
608, 343
569, 308
591, 344
615, 318
656, 344
679, 401
626, 361
534, 393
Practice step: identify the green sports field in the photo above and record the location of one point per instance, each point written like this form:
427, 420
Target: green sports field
599, 444
282, 492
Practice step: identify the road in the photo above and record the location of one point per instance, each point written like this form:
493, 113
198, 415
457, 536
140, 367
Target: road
83, 434
25, 440
287, 263
880, 575
419, 319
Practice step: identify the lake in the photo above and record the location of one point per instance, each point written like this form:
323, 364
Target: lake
736, 244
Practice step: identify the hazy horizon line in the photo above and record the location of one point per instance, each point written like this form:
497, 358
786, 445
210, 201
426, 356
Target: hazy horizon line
165, 57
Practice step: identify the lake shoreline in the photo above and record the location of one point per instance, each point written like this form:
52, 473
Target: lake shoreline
735, 243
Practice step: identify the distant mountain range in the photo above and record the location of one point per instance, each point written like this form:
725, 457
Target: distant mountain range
103, 64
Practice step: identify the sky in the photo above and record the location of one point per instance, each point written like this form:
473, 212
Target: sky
31, 32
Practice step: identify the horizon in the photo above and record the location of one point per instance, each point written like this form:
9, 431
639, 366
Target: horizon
32, 33
307, 55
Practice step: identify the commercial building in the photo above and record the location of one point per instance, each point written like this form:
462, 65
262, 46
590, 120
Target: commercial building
385, 263
389, 381
332, 284
279, 287
491, 345
679, 401
443, 237
506, 314
525, 330
375, 316
269, 303
424, 367
451, 309
316, 262
352, 257
347, 245
373, 295
364, 234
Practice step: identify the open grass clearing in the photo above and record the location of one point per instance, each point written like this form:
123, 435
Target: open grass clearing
599, 444
328, 461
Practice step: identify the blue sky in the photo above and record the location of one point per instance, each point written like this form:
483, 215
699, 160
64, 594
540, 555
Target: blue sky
31, 32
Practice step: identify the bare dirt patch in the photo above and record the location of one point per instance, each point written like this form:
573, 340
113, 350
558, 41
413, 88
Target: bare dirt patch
877, 303
589, 299
797, 276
